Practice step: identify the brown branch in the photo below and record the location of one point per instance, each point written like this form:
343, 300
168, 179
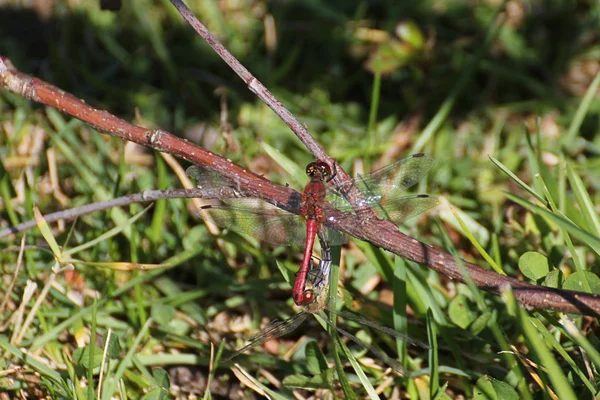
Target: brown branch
380, 233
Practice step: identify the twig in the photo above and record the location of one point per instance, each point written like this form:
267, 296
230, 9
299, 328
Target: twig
143, 197
255, 85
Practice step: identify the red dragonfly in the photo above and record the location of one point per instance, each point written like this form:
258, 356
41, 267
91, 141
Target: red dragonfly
382, 189
318, 284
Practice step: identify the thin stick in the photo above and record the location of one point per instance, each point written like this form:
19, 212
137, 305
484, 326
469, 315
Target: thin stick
254, 84
350, 192
71, 214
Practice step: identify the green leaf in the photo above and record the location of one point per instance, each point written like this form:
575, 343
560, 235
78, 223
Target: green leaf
544, 356
531, 226
47, 233
480, 323
534, 265
514, 177
28, 360
114, 348
492, 389
432, 331
287, 273
577, 281
552, 342
389, 57
581, 112
409, 32
584, 236
461, 311
470, 228
316, 361
291, 167
554, 279
163, 314
162, 378
463, 222
81, 357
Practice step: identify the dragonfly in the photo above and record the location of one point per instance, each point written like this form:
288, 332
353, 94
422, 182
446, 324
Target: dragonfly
318, 284
383, 191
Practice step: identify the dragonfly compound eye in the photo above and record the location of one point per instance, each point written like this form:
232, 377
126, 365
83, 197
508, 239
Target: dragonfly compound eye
304, 298
324, 169
308, 297
311, 169
318, 169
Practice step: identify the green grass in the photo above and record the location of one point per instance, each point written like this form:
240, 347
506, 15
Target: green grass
505, 104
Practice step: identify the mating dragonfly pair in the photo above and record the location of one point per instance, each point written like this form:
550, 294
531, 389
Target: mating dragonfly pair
382, 191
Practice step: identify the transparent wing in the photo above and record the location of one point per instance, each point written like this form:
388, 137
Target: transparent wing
394, 364
403, 208
248, 215
215, 186
383, 189
396, 210
258, 219
393, 179
390, 181
384, 329
333, 236
272, 331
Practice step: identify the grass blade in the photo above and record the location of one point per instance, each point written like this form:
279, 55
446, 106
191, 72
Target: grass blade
586, 237
582, 110
583, 200
515, 178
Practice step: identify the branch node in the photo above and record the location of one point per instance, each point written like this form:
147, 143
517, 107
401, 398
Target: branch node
253, 85
154, 137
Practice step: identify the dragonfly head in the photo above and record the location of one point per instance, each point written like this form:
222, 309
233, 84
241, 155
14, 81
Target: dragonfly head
318, 170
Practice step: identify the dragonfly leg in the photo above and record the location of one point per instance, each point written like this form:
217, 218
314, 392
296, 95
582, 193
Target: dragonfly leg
333, 172
344, 188
313, 273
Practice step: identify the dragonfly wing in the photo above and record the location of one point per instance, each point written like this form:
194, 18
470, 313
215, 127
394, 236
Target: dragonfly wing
383, 189
332, 237
396, 177
213, 184
394, 364
398, 210
381, 328
391, 180
249, 215
272, 331
258, 219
